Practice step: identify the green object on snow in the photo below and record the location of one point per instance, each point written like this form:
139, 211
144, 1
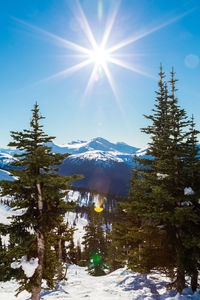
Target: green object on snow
96, 258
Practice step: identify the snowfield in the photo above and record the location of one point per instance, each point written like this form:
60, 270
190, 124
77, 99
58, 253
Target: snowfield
119, 285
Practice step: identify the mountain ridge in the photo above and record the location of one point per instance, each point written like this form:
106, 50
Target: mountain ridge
106, 166
77, 147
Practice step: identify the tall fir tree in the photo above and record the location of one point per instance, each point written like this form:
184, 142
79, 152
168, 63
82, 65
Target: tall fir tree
38, 192
72, 254
60, 237
79, 254
141, 244
192, 196
157, 192
94, 242
169, 177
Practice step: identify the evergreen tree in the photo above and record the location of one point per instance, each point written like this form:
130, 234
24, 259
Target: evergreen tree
38, 192
192, 195
168, 177
114, 258
141, 245
79, 254
95, 244
62, 235
157, 202
3, 271
72, 254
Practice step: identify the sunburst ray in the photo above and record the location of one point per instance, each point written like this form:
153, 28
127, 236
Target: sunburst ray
85, 26
109, 26
129, 67
67, 71
99, 54
113, 86
90, 81
133, 39
64, 42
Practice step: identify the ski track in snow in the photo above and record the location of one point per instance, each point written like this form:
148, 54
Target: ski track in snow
80, 285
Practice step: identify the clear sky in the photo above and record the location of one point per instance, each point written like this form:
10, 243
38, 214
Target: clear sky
30, 58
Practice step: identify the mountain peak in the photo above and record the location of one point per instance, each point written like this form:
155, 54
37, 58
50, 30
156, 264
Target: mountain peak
99, 139
95, 144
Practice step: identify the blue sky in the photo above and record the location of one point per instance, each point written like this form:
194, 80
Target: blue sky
27, 56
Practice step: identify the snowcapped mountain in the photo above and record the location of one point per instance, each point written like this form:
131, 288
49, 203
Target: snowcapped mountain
106, 166
105, 158
5, 160
77, 147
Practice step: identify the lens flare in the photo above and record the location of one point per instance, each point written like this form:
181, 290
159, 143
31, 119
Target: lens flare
99, 54
99, 208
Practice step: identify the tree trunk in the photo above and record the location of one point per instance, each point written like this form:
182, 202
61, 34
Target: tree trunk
194, 280
60, 275
180, 279
41, 248
40, 200
140, 252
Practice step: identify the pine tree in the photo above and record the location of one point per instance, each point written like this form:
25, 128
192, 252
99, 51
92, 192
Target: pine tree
79, 254
72, 254
115, 257
141, 244
62, 235
39, 192
3, 273
95, 244
192, 195
157, 202
168, 177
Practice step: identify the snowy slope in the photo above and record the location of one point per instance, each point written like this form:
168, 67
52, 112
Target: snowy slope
6, 160
119, 285
93, 145
99, 157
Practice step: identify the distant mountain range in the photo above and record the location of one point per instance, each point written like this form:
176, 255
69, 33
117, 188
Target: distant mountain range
106, 166
96, 144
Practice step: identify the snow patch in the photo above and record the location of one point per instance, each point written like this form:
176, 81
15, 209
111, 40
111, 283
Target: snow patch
188, 191
161, 176
120, 284
28, 266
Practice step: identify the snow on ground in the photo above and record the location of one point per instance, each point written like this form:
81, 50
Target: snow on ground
80, 223
119, 285
6, 213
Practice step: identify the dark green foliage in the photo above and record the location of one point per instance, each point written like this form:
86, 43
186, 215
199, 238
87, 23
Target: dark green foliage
115, 254
95, 245
39, 191
72, 252
160, 222
4, 271
79, 254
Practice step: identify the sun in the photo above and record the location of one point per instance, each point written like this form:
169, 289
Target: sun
99, 56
